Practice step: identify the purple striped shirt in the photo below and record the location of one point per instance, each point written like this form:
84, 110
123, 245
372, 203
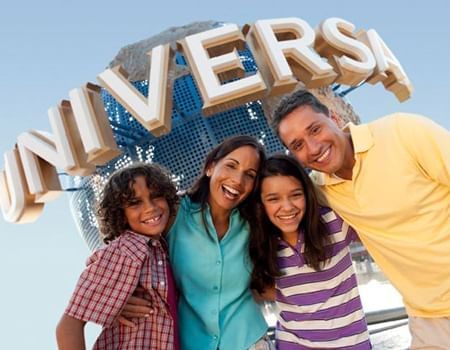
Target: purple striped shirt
320, 309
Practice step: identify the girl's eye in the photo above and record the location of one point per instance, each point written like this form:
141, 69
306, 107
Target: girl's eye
230, 165
251, 175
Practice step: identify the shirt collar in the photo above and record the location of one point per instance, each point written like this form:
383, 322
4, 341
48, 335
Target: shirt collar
142, 238
362, 141
195, 207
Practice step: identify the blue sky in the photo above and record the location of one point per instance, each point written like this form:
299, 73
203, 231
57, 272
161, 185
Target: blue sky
48, 48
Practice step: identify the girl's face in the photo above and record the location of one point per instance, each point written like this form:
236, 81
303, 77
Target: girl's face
284, 202
145, 213
232, 178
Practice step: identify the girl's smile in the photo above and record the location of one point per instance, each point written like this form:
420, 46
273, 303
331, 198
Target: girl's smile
284, 203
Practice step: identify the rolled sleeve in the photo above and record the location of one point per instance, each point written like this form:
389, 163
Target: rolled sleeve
111, 276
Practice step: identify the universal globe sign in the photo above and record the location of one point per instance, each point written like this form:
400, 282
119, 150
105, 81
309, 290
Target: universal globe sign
190, 94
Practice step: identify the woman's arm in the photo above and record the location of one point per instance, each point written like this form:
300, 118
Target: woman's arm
70, 334
136, 306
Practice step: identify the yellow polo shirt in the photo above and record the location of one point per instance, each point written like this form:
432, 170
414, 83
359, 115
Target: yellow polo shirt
399, 202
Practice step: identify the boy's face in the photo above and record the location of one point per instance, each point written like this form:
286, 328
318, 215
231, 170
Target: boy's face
146, 214
315, 140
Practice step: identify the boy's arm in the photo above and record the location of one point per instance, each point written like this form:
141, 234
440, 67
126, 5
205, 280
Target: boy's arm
70, 333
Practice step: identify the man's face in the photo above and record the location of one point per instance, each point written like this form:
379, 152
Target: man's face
315, 140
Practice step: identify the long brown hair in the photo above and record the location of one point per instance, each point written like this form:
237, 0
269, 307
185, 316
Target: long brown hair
199, 191
265, 235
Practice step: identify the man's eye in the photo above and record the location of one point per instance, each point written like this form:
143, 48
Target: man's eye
315, 129
297, 146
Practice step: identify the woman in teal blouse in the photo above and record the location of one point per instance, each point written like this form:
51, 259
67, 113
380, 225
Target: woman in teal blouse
208, 249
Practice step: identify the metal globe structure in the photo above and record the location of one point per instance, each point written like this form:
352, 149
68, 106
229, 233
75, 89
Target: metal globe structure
183, 150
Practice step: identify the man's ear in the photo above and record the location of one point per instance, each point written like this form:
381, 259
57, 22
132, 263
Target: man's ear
336, 118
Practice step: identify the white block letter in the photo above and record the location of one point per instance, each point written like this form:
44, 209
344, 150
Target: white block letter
286, 46
155, 112
212, 55
352, 59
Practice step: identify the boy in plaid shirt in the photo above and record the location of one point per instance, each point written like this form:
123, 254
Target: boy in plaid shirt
137, 205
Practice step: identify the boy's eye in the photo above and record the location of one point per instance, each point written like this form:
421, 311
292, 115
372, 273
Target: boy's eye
132, 203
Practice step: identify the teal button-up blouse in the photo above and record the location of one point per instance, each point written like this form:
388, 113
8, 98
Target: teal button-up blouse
216, 309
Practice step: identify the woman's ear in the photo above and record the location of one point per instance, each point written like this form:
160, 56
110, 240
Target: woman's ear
209, 170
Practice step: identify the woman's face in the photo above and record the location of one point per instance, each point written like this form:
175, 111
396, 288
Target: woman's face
284, 202
232, 178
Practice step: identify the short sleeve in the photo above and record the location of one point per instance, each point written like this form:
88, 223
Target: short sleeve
429, 143
111, 276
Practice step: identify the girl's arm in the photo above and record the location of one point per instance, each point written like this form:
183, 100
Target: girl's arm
70, 334
269, 294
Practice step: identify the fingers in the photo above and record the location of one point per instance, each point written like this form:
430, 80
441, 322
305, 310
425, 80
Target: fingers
137, 307
123, 321
138, 301
137, 312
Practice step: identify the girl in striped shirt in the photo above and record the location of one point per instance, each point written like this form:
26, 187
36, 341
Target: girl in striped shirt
303, 250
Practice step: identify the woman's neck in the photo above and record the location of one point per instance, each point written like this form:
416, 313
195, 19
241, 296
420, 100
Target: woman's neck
220, 218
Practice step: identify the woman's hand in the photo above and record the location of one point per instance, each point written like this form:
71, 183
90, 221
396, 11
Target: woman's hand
136, 306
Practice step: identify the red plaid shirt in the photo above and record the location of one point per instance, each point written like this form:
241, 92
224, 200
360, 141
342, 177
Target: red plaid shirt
110, 278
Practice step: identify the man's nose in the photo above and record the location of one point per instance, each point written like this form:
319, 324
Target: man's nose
313, 147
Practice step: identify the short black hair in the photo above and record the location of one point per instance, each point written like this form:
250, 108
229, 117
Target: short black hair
293, 101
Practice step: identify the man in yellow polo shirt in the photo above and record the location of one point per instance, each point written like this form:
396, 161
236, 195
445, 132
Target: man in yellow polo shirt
389, 179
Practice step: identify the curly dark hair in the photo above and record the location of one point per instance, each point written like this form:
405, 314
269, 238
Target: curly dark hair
264, 234
118, 191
